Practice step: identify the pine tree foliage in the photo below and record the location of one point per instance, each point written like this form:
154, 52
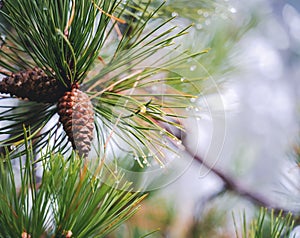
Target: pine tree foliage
70, 198
115, 63
267, 224
116, 55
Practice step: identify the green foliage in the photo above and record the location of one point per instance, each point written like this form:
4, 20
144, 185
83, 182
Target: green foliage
155, 219
70, 197
71, 40
267, 225
210, 224
64, 36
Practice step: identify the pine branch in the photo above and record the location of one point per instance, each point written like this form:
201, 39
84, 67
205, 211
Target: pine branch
73, 197
125, 107
231, 184
268, 223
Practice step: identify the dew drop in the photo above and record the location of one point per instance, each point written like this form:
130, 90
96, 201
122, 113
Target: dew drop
233, 10
13, 147
117, 182
200, 12
182, 79
193, 67
162, 166
179, 142
199, 26
174, 14
205, 14
193, 99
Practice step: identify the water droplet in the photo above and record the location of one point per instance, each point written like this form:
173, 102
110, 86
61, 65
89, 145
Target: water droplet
196, 109
135, 158
193, 99
116, 171
199, 26
117, 182
179, 142
200, 12
233, 10
13, 147
205, 14
193, 67
174, 14
145, 162
162, 166
182, 79
198, 118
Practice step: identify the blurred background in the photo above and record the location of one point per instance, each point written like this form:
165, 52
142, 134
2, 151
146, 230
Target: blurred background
248, 124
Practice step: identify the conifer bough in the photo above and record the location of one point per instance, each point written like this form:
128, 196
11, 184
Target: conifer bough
74, 107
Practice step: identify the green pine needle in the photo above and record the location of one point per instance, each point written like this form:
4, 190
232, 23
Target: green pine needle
82, 42
69, 197
267, 224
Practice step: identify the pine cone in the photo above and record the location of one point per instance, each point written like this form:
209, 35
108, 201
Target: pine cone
77, 116
33, 84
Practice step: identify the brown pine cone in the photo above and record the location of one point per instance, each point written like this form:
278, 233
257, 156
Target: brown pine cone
33, 84
77, 117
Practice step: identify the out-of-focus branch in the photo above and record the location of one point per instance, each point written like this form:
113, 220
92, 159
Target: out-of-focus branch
230, 183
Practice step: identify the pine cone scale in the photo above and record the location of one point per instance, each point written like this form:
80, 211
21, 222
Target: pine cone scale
77, 117
33, 84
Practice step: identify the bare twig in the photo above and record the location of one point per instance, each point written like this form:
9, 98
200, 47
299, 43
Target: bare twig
233, 185
230, 183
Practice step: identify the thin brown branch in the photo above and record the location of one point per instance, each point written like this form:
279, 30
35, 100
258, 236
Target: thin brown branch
230, 183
